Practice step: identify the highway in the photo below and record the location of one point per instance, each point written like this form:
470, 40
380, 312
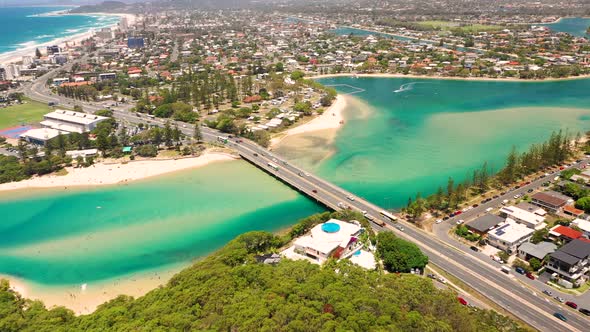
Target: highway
500, 288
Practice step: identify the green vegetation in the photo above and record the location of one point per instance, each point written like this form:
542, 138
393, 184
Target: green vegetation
464, 232
399, 255
27, 113
229, 291
458, 27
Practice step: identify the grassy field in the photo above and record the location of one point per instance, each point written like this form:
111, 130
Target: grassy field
446, 25
27, 113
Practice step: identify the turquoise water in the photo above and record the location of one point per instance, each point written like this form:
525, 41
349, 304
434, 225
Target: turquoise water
420, 132
30, 26
401, 136
575, 26
69, 237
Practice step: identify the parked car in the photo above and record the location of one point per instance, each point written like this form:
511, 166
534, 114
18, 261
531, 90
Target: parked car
547, 292
560, 316
462, 300
442, 280
584, 311
475, 205
314, 191
460, 221
438, 221
571, 304
530, 276
520, 270
446, 218
560, 299
530, 190
431, 276
474, 248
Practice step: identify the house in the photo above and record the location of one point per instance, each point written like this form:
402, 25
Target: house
570, 210
334, 238
564, 233
521, 216
270, 258
570, 263
531, 208
483, 224
549, 201
583, 225
509, 235
529, 250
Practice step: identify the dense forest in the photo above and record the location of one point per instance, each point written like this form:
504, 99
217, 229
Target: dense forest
230, 291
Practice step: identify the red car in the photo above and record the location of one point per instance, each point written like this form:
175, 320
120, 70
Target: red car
314, 191
462, 301
561, 168
458, 212
571, 304
530, 276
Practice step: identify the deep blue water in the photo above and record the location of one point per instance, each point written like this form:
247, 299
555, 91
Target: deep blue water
28, 26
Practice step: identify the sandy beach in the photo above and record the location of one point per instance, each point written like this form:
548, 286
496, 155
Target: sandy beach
332, 118
85, 298
490, 79
16, 56
116, 173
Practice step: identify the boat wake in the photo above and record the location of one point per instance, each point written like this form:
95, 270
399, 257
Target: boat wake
407, 86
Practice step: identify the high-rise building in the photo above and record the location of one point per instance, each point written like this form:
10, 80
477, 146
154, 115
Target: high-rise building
135, 42
27, 60
3, 74
53, 49
123, 24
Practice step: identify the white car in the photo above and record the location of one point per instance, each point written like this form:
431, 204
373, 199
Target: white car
438, 221
350, 198
460, 221
489, 209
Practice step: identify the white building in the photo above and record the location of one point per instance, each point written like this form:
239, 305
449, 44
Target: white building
334, 238
529, 219
509, 235
72, 122
39, 136
583, 225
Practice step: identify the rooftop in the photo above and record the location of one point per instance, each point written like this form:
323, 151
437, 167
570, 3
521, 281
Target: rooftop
539, 250
549, 199
582, 224
485, 222
511, 231
41, 134
74, 117
326, 241
520, 214
568, 232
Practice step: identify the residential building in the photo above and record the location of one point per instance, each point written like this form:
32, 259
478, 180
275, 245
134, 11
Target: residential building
583, 225
564, 233
509, 235
570, 262
532, 208
135, 42
107, 76
571, 210
529, 219
69, 121
548, 200
482, 225
529, 250
334, 238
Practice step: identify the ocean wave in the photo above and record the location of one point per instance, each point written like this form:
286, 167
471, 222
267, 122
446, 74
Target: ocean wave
49, 14
44, 36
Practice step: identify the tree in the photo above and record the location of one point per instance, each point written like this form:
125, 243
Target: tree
197, 135
535, 264
539, 235
584, 204
399, 255
38, 53
296, 75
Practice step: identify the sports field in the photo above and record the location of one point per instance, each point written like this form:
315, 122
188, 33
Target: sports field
28, 113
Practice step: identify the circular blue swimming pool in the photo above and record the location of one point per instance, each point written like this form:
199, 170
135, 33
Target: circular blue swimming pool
330, 227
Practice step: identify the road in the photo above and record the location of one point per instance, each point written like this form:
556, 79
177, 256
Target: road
500, 288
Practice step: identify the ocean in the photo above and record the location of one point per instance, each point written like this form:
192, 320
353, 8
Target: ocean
575, 26
29, 26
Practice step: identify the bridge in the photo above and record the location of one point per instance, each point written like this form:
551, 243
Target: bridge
523, 302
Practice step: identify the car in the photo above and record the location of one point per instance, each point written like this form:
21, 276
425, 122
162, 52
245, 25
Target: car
462, 300
442, 280
489, 209
559, 298
561, 168
399, 227
528, 182
547, 292
446, 218
530, 276
460, 221
520, 270
495, 196
256, 155
503, 193
314, 191
300, 174
438, 221
571, 304
350, 197
504, 202
474, 248
431, 276
475, 205
560, 316
584, 311
458, 212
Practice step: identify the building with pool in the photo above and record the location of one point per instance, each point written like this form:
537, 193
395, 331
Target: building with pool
332, 239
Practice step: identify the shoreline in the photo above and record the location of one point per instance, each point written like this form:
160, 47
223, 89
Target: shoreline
101, 174
331, 119
15, 56
481, 79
